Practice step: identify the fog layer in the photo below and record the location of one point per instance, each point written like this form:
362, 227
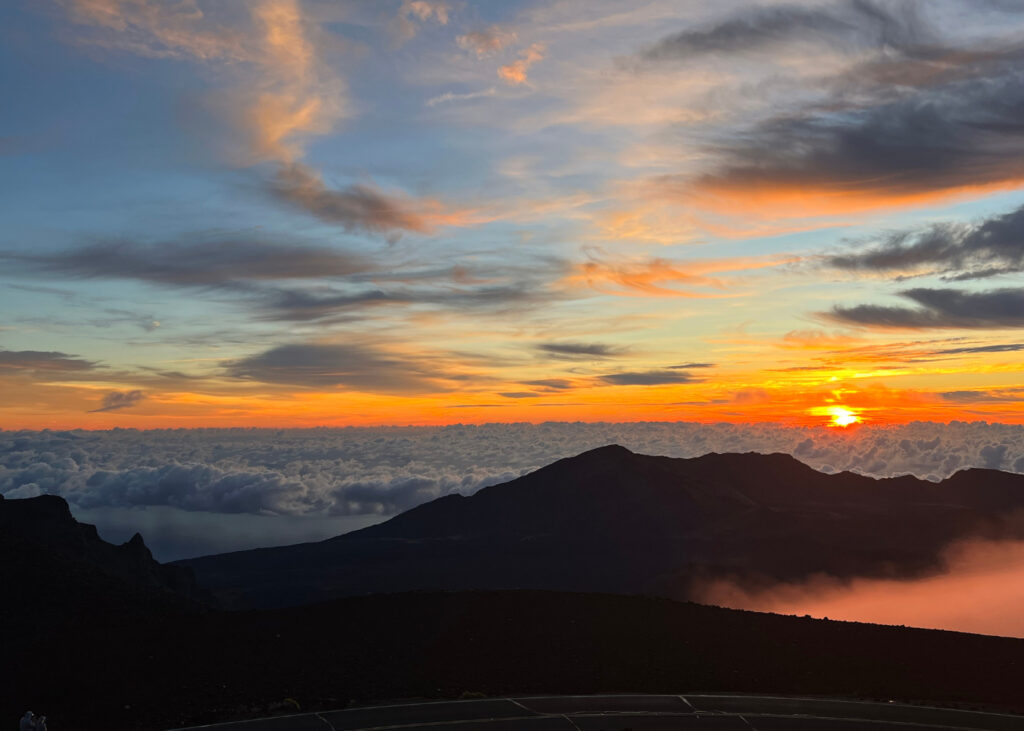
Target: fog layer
981, 590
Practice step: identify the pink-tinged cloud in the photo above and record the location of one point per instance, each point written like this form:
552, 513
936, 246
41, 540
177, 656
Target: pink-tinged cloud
981, 590
362, 206
486, 42
283, 91
515, 73
414, 13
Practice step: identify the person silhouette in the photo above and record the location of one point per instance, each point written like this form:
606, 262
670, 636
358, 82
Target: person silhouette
28, 722
40, 723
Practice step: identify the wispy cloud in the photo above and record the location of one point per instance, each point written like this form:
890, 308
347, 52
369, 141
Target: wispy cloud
199, 261
413, 14
336, 366
649, 378
450, 96
761, 28
360, 206
959, 251
582, 351
39, 361
901, 115
487, 41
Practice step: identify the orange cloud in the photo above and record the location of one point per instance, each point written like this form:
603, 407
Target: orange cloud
362, 206
659, 277
781, 199
817, 340
515, 72
160, 29
285, 92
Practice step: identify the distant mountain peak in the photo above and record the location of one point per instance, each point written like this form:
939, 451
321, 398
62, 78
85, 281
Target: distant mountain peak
613, 520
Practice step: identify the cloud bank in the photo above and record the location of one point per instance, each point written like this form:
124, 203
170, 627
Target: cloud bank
383, 470
291, 485
981, 590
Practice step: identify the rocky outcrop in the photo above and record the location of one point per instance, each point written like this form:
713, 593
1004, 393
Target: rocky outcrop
45, 523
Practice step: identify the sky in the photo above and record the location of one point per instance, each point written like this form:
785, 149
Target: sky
292, 213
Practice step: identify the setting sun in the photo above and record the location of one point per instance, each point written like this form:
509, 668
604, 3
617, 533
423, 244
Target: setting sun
842, 417
839, 416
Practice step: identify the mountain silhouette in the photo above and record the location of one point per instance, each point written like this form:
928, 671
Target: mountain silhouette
613, 521
98, 636
41, 540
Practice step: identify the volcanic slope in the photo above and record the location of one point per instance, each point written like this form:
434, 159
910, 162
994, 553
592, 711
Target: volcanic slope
613, 521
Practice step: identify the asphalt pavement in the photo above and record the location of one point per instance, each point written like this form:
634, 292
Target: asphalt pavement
636, 713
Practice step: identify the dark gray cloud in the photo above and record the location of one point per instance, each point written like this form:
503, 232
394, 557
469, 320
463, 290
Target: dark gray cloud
996, 395
40, 360
941, 308
581, 351
356, 207
758, 29
116, 400
649, 378
915, 115
263, 276
685, 366
350, 366
1004, 348
553, 384
519, 394
964, 134
294, 304
203, 263
958, 251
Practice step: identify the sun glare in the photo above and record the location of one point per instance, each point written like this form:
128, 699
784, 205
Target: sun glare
842, 417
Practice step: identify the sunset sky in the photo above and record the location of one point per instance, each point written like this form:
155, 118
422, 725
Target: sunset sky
306, 212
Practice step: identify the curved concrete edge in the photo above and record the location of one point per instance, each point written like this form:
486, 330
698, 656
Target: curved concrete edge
634, 712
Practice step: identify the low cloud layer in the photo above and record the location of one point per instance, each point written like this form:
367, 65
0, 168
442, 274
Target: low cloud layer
382, 470
981, 590
373, 473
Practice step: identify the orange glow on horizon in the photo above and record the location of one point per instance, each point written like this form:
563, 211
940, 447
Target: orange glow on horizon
840, 416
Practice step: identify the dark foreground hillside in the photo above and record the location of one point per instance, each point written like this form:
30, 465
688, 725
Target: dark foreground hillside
180, 668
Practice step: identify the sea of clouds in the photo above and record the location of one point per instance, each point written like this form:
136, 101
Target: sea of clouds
319, 482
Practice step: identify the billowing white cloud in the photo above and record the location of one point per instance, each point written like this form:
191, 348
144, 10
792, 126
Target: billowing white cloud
384, 470
291, 485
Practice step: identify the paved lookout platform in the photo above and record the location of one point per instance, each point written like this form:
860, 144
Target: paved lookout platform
636, 713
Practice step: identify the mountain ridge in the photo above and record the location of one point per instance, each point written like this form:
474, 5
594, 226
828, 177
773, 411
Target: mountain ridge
44, 525
613, 520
